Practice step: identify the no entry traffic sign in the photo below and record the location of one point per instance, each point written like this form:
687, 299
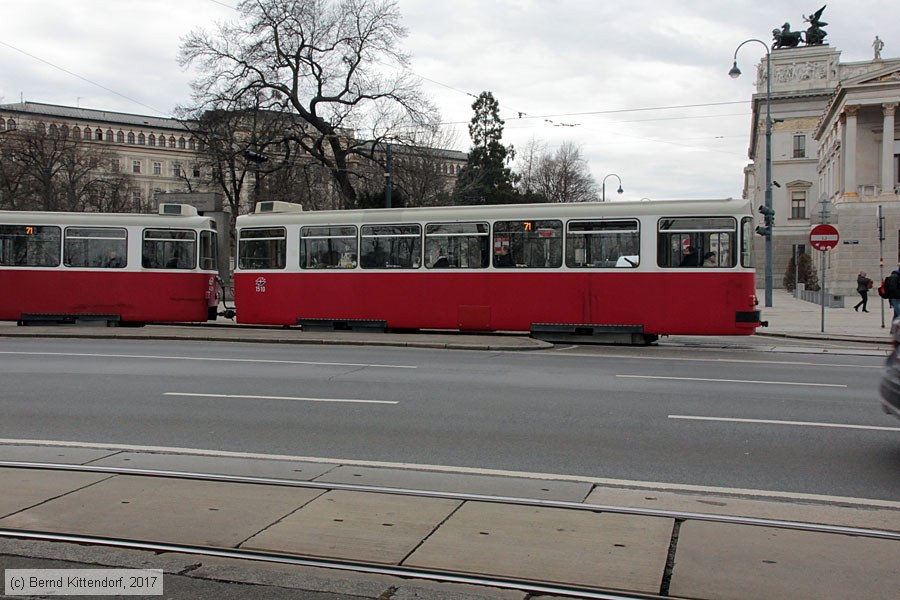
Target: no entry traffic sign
824, 237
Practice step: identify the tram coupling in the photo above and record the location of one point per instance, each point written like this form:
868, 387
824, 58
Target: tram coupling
230, 311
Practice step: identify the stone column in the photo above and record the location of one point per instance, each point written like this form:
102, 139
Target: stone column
887, 149
849, 151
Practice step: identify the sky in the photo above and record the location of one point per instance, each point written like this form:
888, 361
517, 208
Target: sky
641, 87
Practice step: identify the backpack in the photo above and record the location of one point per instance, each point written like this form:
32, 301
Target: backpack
890, 287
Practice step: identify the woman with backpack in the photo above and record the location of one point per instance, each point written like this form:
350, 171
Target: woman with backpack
863, 285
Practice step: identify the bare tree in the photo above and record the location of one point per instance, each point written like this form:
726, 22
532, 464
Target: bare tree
564, 177
49, 170
527, 167
335, 66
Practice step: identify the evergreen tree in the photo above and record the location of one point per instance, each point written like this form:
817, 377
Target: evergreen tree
805, 273
486, 178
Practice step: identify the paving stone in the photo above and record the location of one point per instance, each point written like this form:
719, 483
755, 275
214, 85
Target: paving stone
380, 528
165, 510
551, 545
739, 562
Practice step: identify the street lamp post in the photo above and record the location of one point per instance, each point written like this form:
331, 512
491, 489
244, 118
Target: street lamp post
603, 187
767, 211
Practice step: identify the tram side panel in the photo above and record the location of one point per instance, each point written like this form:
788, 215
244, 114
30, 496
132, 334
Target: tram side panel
129, 296
687, 303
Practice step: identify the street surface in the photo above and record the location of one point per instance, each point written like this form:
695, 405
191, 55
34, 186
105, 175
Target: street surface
798, 421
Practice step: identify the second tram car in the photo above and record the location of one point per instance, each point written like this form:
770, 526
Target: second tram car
113, 268
638, 269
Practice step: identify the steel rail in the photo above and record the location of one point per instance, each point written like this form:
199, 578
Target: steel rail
322, 485
573, 591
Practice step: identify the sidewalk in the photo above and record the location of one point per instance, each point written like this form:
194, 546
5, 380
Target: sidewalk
598, 548
796, 318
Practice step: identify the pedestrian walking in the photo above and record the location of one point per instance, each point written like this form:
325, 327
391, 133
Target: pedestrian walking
863, 285
892, 290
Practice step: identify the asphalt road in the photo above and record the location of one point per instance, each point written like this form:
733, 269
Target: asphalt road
787, 421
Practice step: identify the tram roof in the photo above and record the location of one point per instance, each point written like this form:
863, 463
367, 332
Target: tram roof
90, 219
581, 210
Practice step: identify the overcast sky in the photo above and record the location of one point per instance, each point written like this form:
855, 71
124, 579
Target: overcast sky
622, 80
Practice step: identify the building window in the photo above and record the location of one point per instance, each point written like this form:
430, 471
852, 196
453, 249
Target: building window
114, 165
798, 204
192, 144
54, 131
142, 139
10, 125
135, 166
182, 143
87, 133
196, 171
799, 145
157, 168
130, 137
136, 199
98, 135
171, 142
109, 135
176, 169
120, 137
152, 140
76, 133
2, 125
162, 141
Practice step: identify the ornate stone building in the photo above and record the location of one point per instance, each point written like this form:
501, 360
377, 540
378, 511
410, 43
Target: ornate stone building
823, 159
162, 156
159, 154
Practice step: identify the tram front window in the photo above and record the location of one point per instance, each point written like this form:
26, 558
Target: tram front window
262, 248
29, 246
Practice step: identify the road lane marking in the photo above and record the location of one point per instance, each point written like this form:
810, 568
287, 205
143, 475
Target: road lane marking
247, 397
209, 359
600, 481
776, 422
838, 385
714, 360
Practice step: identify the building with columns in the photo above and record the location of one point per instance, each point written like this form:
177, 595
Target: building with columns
821, 171
859, 173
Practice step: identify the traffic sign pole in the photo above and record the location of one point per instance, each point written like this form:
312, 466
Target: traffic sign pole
823, 237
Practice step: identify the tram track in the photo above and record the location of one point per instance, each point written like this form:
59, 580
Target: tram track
529, 587
464, 497
426, 572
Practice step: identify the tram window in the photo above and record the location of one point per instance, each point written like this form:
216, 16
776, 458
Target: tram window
457, 245
390, 246
748, 229
95, 247
29, 245
333, 247
697, 241
169, 249
529, 244
208, 251
603, 244
262, 248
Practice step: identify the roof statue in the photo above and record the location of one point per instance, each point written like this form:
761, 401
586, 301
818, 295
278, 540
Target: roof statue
878, 46
785, 38
814, 35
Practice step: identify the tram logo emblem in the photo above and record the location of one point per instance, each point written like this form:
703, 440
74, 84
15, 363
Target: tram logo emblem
260, 284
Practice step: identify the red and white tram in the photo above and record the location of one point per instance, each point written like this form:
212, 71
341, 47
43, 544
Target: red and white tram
118, 268
640, 269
